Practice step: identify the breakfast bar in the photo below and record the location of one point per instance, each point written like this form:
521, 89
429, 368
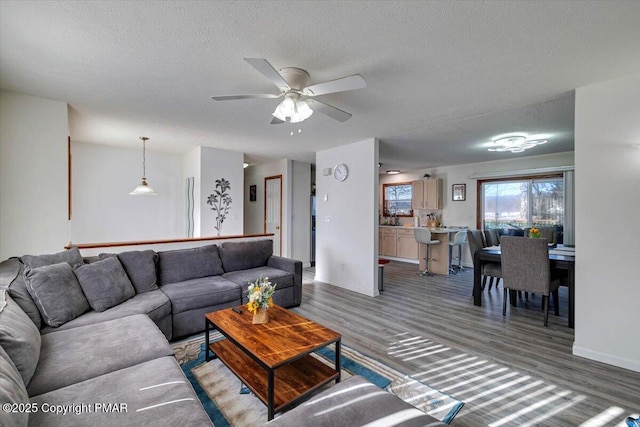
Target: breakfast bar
398, 243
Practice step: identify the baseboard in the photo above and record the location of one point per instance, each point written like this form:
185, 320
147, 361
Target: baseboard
633, 365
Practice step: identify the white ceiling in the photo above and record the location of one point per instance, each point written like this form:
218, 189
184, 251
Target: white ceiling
443, 77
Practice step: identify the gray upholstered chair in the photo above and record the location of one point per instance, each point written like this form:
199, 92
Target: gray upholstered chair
525, 267
549, 233
423, 236
489, 269
491, 237
459, 239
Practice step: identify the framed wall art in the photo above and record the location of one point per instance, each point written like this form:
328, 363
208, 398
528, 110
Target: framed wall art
252, 193
459, 192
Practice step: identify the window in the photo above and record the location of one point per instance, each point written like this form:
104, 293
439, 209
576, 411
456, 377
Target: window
522, 202
396, 199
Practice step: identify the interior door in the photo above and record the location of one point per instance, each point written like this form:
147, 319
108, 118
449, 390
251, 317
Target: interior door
273, 210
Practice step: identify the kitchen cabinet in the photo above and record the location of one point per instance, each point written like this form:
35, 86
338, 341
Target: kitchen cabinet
389, 242
426, 194
417, 194
406, 244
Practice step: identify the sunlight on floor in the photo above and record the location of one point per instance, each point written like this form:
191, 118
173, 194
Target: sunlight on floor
604, 417
508, 397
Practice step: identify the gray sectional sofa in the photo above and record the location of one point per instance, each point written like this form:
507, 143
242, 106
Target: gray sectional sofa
84, 341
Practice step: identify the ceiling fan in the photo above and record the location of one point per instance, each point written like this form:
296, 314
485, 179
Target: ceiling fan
298, 103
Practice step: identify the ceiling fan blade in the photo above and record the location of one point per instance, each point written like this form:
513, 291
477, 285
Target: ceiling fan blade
232, 97
266, 69
276, 121
329, 110
339, 85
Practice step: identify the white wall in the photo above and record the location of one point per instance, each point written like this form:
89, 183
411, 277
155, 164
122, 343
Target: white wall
216, 164
346, 223
103, 210
607, 126
301, 212
33, 175
463, 213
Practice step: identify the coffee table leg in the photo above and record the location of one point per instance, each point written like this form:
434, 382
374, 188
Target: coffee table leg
206, 340
271, 397
338, 367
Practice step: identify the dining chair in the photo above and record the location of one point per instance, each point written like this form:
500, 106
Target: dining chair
459, 239
526, 267
491, 237
489, 269
423, 236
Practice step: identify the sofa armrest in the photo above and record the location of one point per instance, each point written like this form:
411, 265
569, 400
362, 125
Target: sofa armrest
292, 266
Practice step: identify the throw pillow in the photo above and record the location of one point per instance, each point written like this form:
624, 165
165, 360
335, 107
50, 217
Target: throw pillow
141, 269
71, 256
19, 337
18, 289
56, 292
105, 283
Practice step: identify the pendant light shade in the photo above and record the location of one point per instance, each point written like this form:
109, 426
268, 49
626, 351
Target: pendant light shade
144, 189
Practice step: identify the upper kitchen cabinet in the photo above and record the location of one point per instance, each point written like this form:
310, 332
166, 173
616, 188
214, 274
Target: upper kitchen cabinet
427, 194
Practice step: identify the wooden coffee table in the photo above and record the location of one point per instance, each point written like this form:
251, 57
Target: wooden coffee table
274, 359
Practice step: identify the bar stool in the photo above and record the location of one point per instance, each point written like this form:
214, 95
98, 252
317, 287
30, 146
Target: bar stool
423, 236
459, 239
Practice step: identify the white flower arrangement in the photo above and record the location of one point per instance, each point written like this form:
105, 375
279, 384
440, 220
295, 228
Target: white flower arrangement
260, 294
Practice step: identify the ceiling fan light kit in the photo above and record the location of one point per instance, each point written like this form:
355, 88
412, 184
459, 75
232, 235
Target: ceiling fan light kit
298, 104
515, 144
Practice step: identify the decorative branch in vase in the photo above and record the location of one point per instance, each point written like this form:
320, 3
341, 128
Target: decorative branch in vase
220, 202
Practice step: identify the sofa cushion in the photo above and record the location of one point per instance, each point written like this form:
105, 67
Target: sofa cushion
154, 304
202, 292
70, 256
185, 264
244, 255
282, 279
141, 269
78, 354
360, 403
12, 273
56, 292
18, 336
104, 283
155, 392
12, 390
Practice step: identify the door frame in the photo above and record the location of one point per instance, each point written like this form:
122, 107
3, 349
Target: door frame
267, 178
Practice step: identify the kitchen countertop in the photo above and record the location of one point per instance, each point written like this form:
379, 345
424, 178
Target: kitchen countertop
431, 229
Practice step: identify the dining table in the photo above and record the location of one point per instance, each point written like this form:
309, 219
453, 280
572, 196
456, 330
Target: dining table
561, 257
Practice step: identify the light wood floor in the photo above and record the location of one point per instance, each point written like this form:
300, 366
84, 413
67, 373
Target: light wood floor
508, 370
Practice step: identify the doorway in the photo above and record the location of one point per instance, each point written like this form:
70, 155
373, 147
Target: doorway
273, 210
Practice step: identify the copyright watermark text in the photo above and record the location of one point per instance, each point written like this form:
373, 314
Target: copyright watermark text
64, 409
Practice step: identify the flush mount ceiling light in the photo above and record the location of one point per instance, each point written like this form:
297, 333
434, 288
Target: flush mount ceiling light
393, 172
144, 189
293, 108
515, 144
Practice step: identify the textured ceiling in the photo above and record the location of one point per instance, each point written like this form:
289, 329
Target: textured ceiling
443, 77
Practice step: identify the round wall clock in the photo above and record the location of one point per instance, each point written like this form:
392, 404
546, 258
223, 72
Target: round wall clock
340, 172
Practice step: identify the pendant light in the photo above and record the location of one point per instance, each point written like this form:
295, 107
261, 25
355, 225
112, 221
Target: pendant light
144, 189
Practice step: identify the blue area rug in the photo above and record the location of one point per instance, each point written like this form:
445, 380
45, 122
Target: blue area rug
238, 409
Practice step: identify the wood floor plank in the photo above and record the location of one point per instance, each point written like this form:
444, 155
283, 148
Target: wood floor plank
508, 370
